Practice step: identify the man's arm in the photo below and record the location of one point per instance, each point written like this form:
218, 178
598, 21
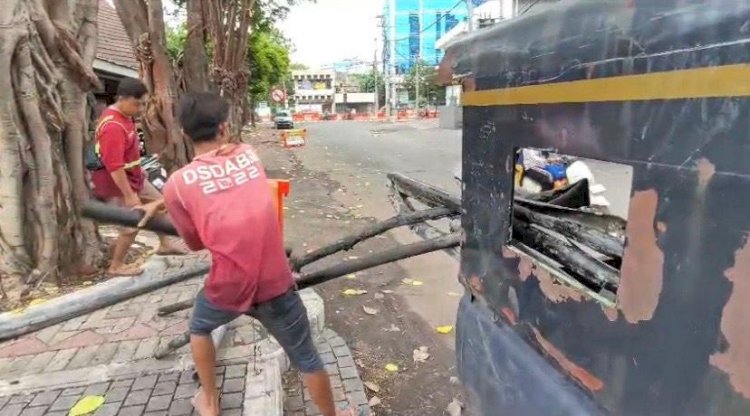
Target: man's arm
181, 218
123, 184
112, 139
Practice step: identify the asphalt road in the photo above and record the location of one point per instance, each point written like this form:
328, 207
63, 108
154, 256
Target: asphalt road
358, 156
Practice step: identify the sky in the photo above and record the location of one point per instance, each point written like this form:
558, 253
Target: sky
329, 31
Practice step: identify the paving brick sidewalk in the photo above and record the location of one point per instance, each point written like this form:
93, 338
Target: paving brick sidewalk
110, 352
120, 333
167, 393
348, 389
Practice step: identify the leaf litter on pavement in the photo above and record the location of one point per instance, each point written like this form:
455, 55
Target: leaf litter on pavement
354, 292
455, 408
86, 405
369, 311
421, 354
372, 386
445, 329
390, 367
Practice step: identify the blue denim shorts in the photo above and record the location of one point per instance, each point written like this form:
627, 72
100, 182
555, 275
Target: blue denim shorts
285, 317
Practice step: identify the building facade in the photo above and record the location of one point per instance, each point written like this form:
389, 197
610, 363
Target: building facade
314, 91
410, 32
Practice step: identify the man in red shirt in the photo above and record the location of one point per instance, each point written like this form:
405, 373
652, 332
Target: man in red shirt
221, 202
121, 181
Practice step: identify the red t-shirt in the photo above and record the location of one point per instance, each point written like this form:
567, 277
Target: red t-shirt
221, 201
118, 146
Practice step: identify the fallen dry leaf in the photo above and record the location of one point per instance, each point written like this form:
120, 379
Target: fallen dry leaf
454, 380
37, 301
386, 291
391, 367
421, 354
354, 292
379, 296
86, 405
369, 311
412, 282
445, 329
454, 294
372, 386
455, 408
393, 328
374, 401
351, 276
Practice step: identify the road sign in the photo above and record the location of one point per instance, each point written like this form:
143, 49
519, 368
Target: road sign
278, 95
294, 138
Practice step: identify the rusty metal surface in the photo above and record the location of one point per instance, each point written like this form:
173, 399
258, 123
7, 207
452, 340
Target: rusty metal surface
676, 343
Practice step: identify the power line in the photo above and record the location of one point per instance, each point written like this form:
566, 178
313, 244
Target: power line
431, 25
530, 6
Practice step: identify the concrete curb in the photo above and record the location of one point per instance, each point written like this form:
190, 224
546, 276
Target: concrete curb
264, 391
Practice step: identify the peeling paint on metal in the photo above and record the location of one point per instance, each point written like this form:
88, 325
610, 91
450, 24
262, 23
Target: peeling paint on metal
611, 313
469, 84
509, 315
553, 290
475, 283
735, 361
706, 171
584, 377
662, 227
525, 268
641, 280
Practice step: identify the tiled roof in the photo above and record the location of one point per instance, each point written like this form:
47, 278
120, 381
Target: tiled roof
114, 44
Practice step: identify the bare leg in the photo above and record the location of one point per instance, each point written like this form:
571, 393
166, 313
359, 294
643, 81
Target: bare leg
206, 401
319, 385
170, 246
120, 249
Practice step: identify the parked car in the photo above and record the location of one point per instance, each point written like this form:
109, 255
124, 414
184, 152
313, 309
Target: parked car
283, 120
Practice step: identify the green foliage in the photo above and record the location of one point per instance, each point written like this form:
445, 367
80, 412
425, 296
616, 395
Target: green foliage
368, 82
268, 54
269, 63
176, 37
429, 92
268, 50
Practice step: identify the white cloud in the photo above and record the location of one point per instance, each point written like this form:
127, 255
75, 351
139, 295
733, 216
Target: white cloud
329, 31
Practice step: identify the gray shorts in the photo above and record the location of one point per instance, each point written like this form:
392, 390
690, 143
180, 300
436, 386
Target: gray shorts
285, 317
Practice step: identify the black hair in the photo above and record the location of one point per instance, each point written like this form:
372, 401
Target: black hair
131, 88
201, 114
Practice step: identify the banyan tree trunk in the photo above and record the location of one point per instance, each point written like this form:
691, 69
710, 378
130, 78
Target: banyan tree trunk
46, 52
144, 23
229, 27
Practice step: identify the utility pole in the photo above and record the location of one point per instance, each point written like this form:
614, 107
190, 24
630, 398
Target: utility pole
387, 58
375, 76
392, 44
470, 11
418, 79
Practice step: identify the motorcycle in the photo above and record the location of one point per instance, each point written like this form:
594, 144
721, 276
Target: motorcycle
155, 172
